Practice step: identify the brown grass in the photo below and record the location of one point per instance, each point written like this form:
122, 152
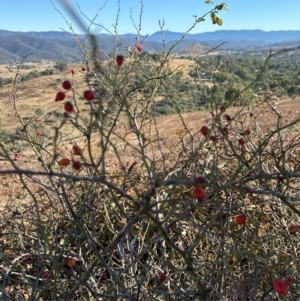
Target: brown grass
39, 93
184, 65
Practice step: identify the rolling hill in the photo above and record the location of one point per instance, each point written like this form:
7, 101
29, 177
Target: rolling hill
56, 45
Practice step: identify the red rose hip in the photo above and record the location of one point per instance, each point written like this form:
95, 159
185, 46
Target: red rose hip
199, 194
89, 95
241, 219
204, 130
281, 287
289, 279
200, 180
247, 132
222, 109
64, 162
60, 96
77, 150
66, 85
76, 165
293, 228
139, 47
162, 277
119, 60
241, 142
213, 139
227, 118
69, 107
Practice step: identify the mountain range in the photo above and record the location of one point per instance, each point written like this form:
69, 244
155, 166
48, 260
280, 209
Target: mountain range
59, 45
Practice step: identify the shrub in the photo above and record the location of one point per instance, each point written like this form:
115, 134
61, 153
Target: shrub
145, 211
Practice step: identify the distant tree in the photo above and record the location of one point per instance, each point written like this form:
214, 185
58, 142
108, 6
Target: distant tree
5, 81
60, 66
221, 77
47, 72
231, 93
293, 90
155, 57
39, 112
33, 74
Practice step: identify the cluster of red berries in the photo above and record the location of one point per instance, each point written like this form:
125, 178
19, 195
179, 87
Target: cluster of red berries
120, 58
89, 95
76, 165
67, 85
83, 69
205, 130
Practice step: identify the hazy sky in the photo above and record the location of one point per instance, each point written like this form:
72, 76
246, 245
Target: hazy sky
40, 15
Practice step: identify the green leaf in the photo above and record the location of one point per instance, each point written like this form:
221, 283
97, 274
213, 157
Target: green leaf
219, 22
215, 19
213, 16
200, 20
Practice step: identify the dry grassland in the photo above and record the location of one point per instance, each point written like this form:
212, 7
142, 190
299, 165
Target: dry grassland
39, 93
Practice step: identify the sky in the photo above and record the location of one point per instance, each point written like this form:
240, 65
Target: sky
177, 15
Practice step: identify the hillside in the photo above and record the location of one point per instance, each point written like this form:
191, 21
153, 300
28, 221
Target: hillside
55, 45
258, 36
103, 197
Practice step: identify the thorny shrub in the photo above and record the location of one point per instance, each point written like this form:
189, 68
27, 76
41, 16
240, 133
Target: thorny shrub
115, 210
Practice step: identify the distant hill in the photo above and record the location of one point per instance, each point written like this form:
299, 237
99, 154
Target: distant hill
56, 45
232, 35
232, 39
49, 46
21, 45
57, 35
193, 49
